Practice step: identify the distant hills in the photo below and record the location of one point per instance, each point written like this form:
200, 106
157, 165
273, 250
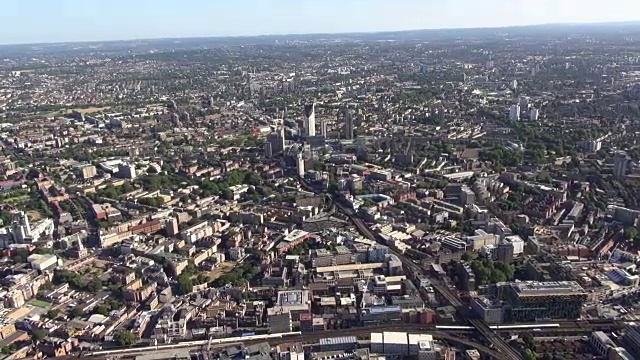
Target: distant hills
628, 28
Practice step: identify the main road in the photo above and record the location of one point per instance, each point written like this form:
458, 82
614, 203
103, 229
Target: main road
500, 344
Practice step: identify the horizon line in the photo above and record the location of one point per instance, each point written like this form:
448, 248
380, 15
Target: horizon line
372, 32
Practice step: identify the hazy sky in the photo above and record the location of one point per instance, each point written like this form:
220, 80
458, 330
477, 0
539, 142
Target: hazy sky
28, 21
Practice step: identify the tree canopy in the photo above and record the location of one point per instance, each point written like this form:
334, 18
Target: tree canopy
125, 338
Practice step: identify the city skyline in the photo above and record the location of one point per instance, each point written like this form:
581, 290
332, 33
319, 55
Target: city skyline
78, 21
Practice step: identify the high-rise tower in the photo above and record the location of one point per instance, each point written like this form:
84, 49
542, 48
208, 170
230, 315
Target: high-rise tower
620, 160
300, 164
323, 128
20, 227
348, 125
310, 120
514, 112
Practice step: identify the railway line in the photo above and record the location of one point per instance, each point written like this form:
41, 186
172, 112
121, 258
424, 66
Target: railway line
489, 333
479, 325
276, 339
456, 334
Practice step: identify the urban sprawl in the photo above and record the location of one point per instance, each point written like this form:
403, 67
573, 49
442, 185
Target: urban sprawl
468, 194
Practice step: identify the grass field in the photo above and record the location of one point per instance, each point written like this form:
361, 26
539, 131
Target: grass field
89, 110
224, 268
40, 303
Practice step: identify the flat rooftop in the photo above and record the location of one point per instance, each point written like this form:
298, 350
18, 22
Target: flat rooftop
534, 288
167, 354
292, 297
350, 267
295, 234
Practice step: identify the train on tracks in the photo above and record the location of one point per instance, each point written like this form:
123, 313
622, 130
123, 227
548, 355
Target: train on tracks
184, 344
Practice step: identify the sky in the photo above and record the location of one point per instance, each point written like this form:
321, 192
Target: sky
36, 21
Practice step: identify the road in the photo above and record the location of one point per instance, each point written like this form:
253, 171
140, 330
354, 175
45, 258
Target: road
453, 298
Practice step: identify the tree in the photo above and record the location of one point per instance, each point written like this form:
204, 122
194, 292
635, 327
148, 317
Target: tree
5, 217
103, 309
76, 312
185, 284
630, 233
44, 251
252, 178
530, 355
527, 338
9, 349
52, 314
209, 186
94, 286
125, 338
227, 194
156, 201
39, 335
202, 278
152, 170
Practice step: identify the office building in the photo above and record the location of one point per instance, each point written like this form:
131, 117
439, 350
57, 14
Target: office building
620, 162
601, 342
489, 310
343, 343
517, 242
534, 114
323, 128
504, 252
624, 215
348, 125
280, 322
300, 164
403, 344
378, 315
592, 145
394, 343
514, 112
175, 120
268, 150
276, 139
171, 226
467, 197
293, 351
535, 69
127, 171
426, 351
632, 337
531, 301
42, 262
88, 171
466, 277
377, 253
20, 227
523, 102
310, 120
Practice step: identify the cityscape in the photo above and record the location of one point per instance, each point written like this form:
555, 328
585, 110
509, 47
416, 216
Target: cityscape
429, 194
